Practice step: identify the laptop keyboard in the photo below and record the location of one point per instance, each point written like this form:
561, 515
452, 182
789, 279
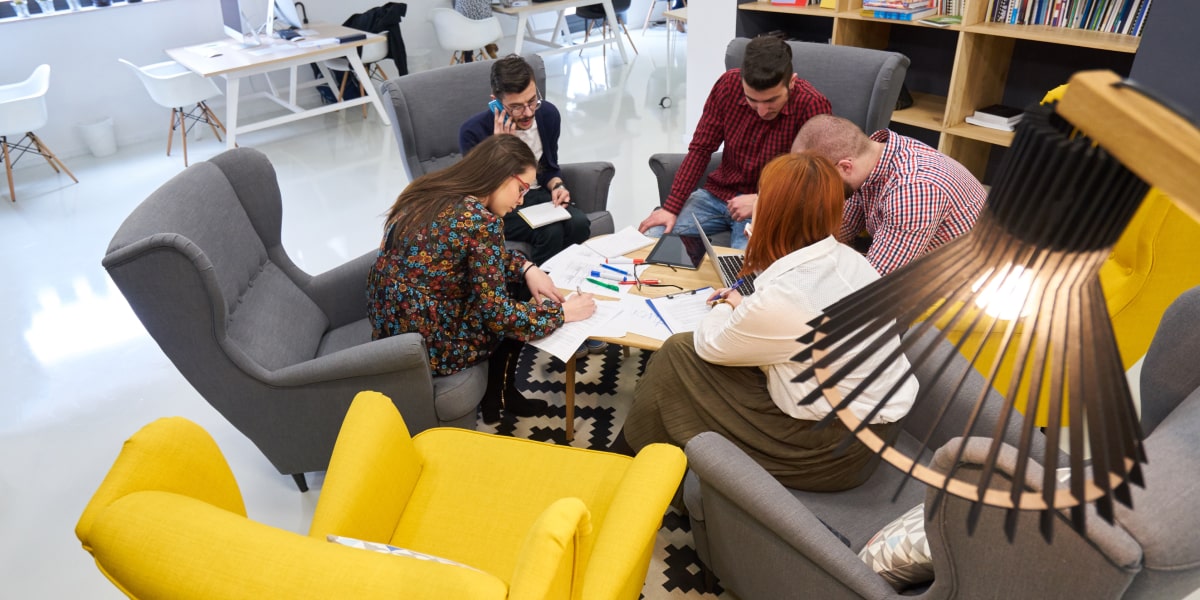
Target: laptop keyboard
730, 267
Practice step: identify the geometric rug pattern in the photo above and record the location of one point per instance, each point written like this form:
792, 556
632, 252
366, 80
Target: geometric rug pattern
604, 386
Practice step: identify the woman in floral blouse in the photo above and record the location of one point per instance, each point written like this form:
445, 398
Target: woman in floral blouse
443, 272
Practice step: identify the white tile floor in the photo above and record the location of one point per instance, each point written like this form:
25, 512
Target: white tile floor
79, 374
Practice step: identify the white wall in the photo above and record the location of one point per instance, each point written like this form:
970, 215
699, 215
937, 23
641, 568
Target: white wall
710, 28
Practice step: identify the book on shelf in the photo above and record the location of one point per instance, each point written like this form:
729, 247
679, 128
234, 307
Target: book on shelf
899, 15
989, 124
897, 4
942, 20
543, 214
1000, 114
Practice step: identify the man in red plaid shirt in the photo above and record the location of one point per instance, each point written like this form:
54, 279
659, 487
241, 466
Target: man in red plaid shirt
755, 111
908, 197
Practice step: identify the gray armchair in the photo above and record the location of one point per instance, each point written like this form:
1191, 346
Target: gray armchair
278, 352
427, 109
862, 85
765, 541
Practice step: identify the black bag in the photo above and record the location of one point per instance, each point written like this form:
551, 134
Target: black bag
329, 96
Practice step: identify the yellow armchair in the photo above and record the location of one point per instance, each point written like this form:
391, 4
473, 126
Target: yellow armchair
531, 520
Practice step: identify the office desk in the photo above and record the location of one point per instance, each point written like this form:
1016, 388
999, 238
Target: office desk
705, 276
522, 13
229, 59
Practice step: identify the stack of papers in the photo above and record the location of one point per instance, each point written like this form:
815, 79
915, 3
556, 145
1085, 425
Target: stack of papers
682, 312
620, 243
997, 116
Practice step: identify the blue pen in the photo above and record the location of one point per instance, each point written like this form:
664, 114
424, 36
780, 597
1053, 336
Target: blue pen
612, 268
735, 286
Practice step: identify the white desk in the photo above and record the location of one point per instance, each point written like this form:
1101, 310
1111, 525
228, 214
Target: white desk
229, 59
522, 13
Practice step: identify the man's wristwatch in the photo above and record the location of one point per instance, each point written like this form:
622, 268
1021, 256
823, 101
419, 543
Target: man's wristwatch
558, 185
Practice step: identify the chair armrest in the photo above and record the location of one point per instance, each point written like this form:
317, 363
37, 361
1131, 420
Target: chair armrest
589, 183
403, 353
372, 473
548, 560
664, 166
726, 470
163, 545
632, 522
170, 455
341, 292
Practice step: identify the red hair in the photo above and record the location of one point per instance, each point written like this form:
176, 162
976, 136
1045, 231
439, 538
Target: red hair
800, 199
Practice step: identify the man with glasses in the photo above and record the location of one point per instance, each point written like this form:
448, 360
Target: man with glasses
755, 111
522, 112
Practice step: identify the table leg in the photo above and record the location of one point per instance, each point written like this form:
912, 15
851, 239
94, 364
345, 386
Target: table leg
368, 85
569, 400
232, 83
522, 23
560, 31
616, 27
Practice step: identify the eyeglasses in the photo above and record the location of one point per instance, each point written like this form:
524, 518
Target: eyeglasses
529, 107
524, 186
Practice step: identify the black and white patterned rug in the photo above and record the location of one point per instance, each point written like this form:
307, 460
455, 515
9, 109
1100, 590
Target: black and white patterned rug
603, 392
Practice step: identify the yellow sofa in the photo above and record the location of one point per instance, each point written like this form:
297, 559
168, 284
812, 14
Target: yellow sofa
527, 519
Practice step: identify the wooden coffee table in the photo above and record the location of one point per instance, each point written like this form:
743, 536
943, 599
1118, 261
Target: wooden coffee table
705, 276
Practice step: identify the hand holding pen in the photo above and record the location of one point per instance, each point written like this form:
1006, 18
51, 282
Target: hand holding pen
728, 295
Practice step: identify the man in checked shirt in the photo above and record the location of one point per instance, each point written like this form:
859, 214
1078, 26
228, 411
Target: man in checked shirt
907, 196
756, 112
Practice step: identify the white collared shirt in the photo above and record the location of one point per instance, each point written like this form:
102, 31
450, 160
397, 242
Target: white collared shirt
762, 331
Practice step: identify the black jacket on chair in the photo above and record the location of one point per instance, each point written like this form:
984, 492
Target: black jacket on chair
385, 18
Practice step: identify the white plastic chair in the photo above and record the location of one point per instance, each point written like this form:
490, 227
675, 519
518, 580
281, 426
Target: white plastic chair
23, 109
372, 54
459, 34
173, 86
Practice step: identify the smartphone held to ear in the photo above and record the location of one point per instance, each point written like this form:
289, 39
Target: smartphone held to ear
496, 107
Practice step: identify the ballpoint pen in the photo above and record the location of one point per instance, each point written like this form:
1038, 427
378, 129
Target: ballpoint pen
607, 286
720, 298
634, 282
615, 270
621, 260
609, 276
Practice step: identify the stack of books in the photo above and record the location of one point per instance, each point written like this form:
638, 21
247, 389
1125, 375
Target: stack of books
997, 116
898, 10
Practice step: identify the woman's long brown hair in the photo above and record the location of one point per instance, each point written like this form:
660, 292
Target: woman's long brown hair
800, 199
481, 172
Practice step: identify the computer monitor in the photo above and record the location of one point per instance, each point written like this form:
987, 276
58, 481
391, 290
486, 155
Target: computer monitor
285, 10
237, 26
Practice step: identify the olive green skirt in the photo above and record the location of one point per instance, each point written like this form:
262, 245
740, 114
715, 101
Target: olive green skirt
680, 395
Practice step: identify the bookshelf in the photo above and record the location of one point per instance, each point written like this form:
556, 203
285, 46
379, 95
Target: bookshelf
979, 69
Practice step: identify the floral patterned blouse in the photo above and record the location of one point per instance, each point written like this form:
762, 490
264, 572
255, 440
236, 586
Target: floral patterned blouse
448, 283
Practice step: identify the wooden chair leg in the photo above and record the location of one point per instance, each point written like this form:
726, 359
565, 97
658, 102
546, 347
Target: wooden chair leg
183, 134
649, 13
52, 158
37, 148
627, 36
12, 191
213, 122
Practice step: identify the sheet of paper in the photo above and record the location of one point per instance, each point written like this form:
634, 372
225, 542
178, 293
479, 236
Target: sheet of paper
571, 268
620, 243
615, 327
640, 319
682, 312
563, 343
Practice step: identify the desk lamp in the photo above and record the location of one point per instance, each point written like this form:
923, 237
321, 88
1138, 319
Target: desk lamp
1028, 273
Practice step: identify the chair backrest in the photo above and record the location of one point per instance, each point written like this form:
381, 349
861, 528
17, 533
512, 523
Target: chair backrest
172, 85
456, 32
862, 84
427, 109
201, 263
23, 104
372, 53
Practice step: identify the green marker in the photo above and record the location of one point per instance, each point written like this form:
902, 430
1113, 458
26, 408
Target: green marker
607, 286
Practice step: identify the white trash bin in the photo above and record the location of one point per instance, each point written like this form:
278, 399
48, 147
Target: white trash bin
100, 137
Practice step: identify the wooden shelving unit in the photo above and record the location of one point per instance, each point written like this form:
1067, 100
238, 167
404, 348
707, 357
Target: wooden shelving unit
983, 54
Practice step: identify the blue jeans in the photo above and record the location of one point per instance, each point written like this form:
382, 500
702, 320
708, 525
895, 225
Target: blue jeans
714, 217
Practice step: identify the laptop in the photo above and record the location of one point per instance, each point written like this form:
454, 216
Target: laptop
728, 266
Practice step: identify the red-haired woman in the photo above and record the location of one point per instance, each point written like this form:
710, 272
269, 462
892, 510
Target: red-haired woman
734, 374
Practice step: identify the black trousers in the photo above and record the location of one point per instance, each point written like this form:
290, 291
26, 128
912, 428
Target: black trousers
547, 240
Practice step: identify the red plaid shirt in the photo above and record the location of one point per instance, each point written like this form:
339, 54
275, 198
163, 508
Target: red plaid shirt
750, 142
913, 201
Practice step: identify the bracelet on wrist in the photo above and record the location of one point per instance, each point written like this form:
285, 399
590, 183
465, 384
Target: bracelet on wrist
529, 265
558, 185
